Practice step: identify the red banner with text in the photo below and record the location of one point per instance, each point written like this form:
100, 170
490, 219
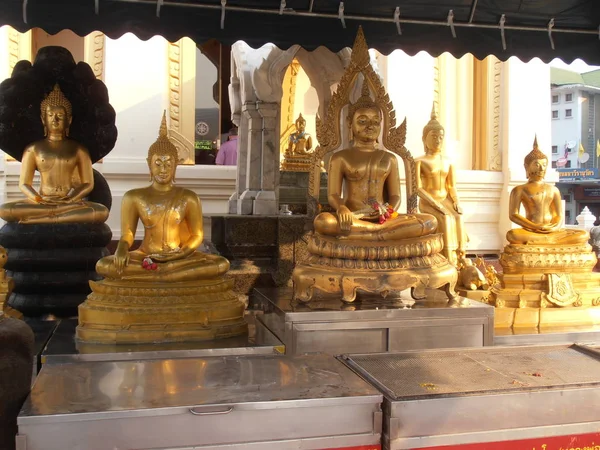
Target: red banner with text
576, 442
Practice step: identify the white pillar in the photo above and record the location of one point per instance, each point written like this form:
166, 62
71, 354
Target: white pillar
266, 202
249, 170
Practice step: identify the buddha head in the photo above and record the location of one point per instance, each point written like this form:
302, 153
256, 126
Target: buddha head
364, 118
56, 113
433, 134
300, 123
536, 163
162, 157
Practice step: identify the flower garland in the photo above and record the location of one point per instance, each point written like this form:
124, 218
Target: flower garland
384, 211
148, 264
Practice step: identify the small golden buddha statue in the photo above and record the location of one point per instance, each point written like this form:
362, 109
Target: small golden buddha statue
543, 208
300, 142
299, 150
6, 287
365, 245
547, 277
367, 208
437, 191
66, 175
191, 298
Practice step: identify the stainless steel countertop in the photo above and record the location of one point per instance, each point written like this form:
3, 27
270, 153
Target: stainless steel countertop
278, 300
65, 392
428, 374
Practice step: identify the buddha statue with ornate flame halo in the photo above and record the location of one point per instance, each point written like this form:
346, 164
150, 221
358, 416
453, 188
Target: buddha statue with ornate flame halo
365, 245
66, 175
185, 288
547, 277
372, 182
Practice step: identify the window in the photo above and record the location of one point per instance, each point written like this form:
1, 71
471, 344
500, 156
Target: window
555, 114
567, 198
566, 166
568, 113
569, 98
555, 98
555, 149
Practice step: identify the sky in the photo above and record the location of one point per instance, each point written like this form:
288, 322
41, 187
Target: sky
576, 66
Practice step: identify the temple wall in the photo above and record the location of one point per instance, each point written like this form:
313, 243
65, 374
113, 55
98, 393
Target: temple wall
138, 83
146, 77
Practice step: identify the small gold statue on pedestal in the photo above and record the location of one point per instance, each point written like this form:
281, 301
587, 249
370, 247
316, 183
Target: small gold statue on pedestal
366, 245
298, 153
66, 175
547, 275
165, 290
6, 287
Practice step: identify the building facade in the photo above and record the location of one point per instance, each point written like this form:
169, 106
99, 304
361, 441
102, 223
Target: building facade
575, 115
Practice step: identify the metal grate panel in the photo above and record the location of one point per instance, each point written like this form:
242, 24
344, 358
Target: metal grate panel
464, 372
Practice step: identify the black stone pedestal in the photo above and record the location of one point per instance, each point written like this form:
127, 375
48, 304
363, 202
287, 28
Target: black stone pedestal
16, 363
51, 264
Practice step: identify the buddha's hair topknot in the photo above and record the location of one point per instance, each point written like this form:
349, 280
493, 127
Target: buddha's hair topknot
163, 145
56, 98
364, 101
534, 154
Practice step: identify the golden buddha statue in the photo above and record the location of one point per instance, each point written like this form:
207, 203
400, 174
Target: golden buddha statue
437, 191
543, 208
66, 175
372, 183
300, 142
186, 288
366, 245
547, 277
298, 152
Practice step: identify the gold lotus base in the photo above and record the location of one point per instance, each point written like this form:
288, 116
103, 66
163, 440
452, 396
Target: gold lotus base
344, 267
298, 164
547, 286
118, 312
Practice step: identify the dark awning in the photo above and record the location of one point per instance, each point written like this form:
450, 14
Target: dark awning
531, 27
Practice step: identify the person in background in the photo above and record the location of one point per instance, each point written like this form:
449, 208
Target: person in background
227, 155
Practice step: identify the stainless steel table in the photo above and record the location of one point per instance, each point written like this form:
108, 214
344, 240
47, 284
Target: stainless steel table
551, 335
62, 347
269, 402
509, 396
371, 325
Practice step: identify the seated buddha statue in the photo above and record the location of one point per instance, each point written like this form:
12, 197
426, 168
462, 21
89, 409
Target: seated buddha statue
172, 221
166, 290
66, 175
436, 183
543, 208
300, 142
364, 247
366, 210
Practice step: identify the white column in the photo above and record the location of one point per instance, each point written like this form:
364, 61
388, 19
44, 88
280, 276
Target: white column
266, 201
253, 151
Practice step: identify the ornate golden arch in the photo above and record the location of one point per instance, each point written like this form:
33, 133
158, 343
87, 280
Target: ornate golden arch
329, 133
